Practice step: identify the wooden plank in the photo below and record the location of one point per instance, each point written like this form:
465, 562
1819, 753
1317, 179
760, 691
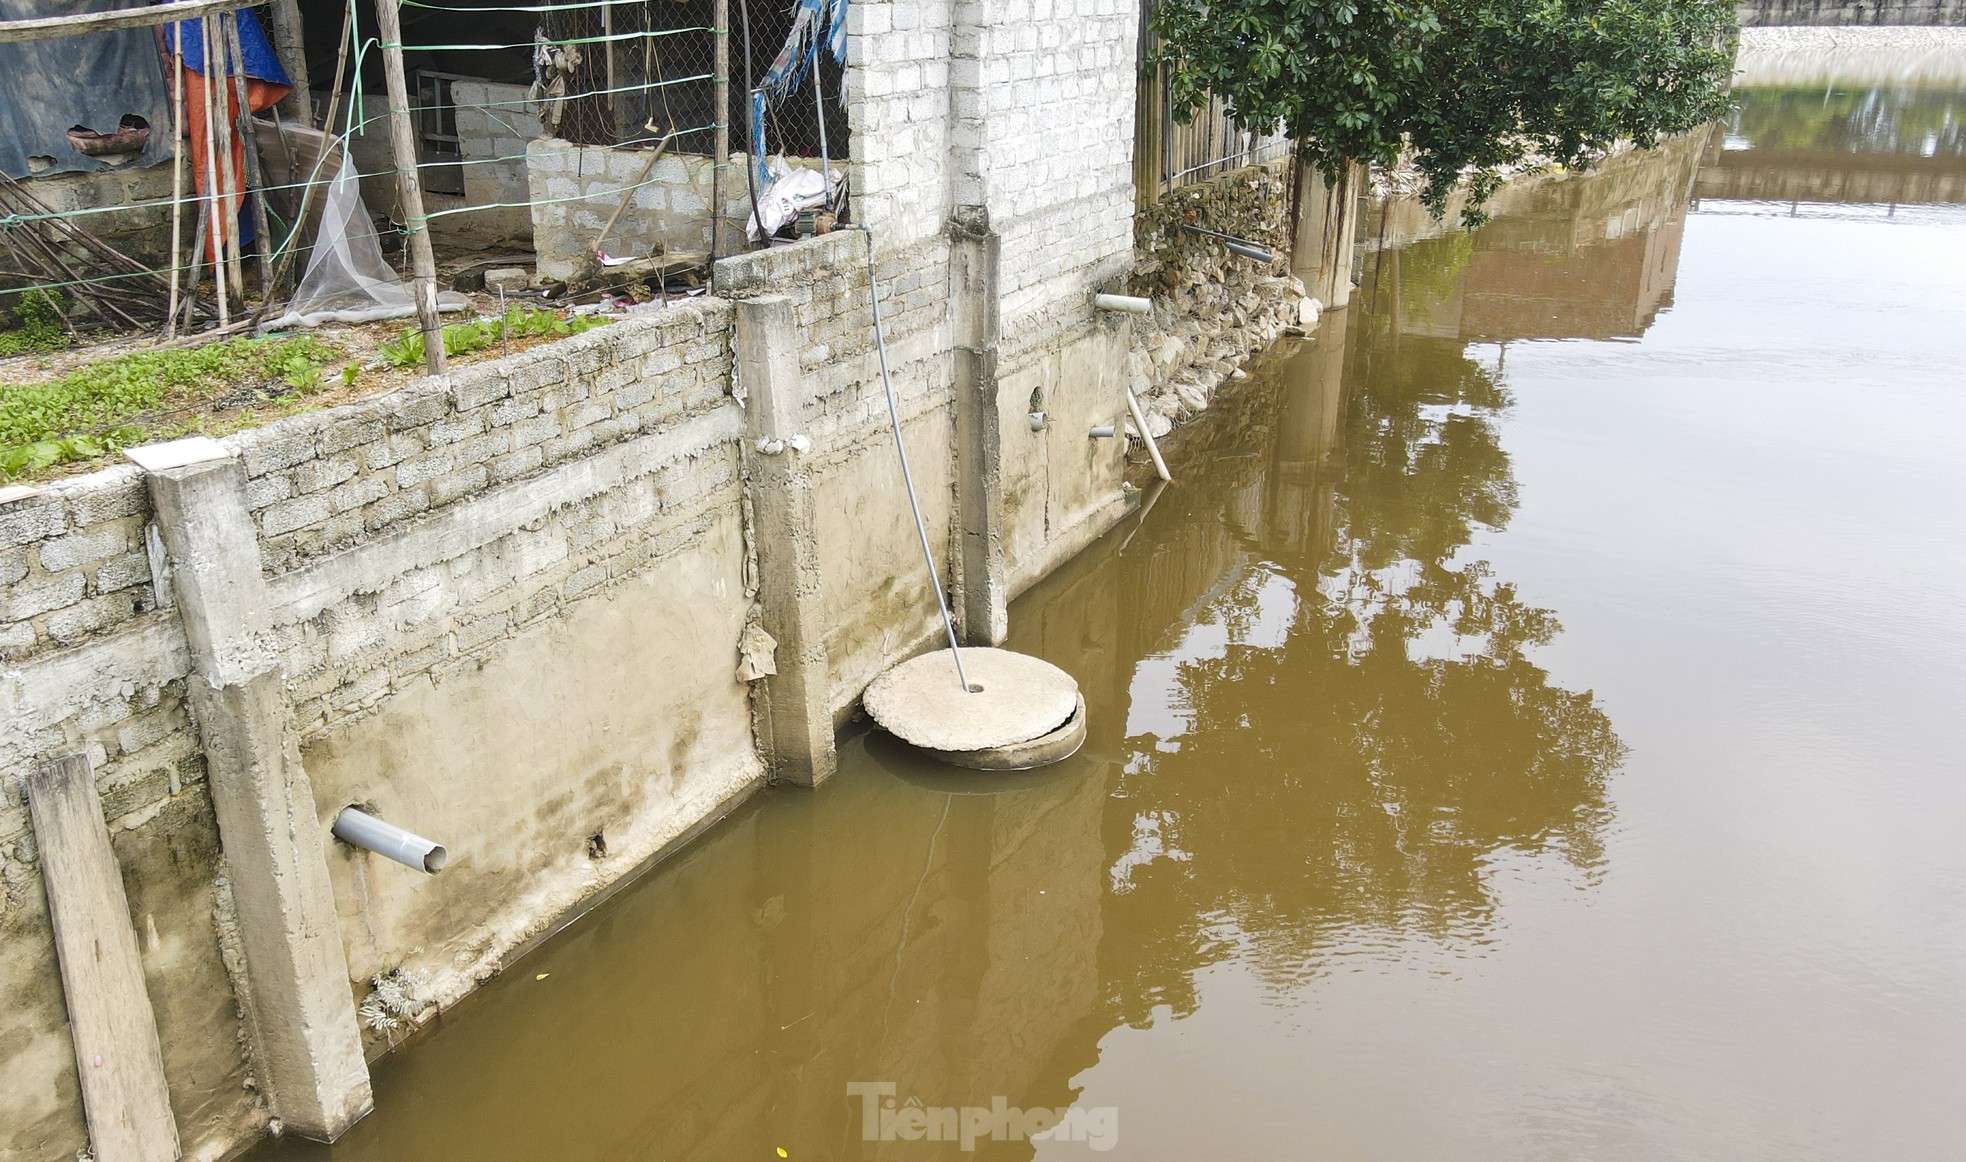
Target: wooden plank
83, 23
110, 1021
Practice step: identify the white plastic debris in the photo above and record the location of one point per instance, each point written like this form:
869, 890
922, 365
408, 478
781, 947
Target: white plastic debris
791, 191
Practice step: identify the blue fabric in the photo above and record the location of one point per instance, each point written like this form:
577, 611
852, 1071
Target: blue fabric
262, 63
814, 23
48, 85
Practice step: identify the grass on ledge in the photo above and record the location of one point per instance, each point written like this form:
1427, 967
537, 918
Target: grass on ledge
133, 399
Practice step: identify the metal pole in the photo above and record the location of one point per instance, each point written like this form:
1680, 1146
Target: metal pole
402, 139
907, 477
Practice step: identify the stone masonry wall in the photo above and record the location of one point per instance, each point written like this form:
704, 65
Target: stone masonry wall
423, 549
1212, 309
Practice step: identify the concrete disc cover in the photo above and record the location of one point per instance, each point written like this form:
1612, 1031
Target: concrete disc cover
1021, 698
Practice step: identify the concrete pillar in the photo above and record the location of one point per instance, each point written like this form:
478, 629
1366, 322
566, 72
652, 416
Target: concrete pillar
1327, 228
796, 726
110, 1022
981, 582
307, 1049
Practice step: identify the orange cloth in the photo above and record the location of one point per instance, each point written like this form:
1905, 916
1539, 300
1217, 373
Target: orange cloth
260, 96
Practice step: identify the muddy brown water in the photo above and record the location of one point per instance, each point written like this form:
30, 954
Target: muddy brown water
1531, 728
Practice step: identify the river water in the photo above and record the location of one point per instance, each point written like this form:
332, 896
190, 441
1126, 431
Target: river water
1531, 728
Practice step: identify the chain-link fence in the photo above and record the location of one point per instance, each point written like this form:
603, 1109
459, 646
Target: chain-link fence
637, 71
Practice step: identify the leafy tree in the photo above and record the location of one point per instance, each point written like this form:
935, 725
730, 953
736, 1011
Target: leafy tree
1466, 85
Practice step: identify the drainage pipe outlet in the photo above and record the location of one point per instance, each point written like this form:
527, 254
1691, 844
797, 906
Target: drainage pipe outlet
365, 831
1131, 304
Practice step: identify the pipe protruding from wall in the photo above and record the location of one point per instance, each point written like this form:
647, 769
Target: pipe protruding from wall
1131, 304
363, 830
1104, 432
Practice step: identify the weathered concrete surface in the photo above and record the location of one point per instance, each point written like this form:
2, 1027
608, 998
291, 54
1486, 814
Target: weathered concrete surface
981, 583
110, 1022
545, 780
1011, 698
305, 1048
1326, 231
1839, 13
1059, 484
797, 735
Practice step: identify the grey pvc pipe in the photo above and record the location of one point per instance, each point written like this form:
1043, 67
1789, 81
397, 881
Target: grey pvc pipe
386, 839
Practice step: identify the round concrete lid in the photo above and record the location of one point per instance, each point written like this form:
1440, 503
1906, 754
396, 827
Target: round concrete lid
1013, 698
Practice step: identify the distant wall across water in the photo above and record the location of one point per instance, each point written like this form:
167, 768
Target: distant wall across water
1840, 13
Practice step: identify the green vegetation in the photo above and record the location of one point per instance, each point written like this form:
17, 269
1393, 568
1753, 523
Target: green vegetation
37, 325
154, 394
1462, 85
521, 322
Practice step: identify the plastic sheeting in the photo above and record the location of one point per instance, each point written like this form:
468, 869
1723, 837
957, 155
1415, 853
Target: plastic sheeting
347, 280
48, 85
792, 190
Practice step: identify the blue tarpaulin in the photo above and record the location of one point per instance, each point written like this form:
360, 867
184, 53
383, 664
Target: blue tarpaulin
46, 86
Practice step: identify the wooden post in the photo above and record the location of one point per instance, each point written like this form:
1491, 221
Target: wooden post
110, 1021
720, 101
402, 139
212, 191
284, 23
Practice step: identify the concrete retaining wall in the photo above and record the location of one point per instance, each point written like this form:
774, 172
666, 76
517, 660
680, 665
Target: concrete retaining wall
1847, 13
507, 607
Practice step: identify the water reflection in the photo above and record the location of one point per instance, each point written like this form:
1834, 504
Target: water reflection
1334, 723
1842, 142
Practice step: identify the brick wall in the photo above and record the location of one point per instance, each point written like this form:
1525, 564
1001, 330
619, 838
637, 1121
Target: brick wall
576, 188
324, 482
897, 86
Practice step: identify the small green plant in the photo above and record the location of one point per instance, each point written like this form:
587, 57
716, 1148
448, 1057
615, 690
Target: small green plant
98, 409
37, 324
520, 322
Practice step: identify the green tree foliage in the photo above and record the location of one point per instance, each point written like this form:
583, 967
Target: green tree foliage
1468, 85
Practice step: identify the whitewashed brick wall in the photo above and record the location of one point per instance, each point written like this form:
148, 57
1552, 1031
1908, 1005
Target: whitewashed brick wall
897, 85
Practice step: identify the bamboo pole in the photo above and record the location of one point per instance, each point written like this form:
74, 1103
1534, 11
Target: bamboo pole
720, 99
221, 84
211, 179
402, 139
254, 180
177, 175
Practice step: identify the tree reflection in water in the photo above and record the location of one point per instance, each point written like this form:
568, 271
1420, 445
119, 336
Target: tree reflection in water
1350, 728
